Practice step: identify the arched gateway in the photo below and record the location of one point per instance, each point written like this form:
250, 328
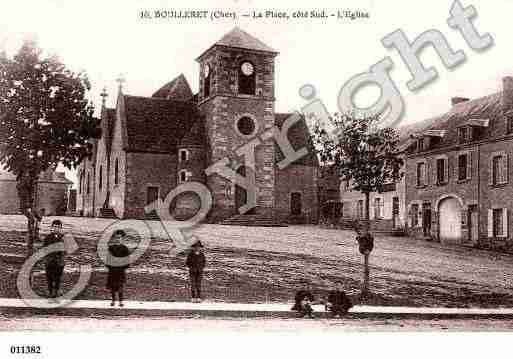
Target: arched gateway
449, 214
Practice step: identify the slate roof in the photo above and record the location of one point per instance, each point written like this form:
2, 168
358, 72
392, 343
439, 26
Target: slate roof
155, 124
487, 107
176, 89
238, 38
299, 136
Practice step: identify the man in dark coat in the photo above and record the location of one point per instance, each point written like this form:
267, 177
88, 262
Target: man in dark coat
116, 277
303, 300
338, 303
54, 262
196, 263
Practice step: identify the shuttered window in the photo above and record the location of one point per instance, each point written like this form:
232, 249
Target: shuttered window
498, 222
421, 174
499, 169
463, 167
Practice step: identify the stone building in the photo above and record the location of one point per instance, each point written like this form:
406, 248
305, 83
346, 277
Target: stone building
458, 183
150, 145
52, 192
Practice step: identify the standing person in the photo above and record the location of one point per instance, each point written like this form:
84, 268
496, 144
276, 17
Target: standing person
338, 303
304, 300
116, 277
54, 261
196, 263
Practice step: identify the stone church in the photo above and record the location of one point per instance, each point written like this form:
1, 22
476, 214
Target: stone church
150, 145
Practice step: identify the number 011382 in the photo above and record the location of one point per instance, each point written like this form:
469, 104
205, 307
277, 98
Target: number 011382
25, 349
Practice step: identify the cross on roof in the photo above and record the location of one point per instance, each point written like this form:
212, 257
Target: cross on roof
120, 80
104, 95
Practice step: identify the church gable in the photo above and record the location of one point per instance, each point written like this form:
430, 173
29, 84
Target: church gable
299, 137
178, 89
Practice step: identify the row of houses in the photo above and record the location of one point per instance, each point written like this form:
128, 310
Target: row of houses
457, 185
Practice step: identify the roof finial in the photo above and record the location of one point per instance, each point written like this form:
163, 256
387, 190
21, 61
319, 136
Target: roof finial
120, 80
104, 95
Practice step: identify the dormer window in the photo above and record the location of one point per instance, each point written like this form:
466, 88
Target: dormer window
420, 144
463, 134
247, 78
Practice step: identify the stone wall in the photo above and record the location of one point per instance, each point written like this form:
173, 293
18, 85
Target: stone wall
143, 170
299, 179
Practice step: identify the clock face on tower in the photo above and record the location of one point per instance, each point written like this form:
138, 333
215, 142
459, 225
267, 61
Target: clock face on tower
247, 68
206, 71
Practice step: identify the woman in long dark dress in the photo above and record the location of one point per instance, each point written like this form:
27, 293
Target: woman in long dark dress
116, 277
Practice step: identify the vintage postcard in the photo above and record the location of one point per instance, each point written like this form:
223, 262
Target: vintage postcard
264, 170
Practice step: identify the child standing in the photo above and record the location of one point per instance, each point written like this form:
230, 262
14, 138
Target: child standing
54, 266
116, 277
196, 263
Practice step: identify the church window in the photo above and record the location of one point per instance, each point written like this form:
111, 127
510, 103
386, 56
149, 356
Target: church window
247, 78
88, 188
100, 178
246, 126
183, 175
81, 182
207, 76
116, 172
184, 155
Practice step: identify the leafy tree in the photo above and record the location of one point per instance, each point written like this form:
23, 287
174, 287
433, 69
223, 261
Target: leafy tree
45, 119
363, 154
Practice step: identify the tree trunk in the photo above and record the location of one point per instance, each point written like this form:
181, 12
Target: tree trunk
27, 187
365, 287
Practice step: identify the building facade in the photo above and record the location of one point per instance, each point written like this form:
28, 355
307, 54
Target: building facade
386, 208
51, 195
459, 187
151, 145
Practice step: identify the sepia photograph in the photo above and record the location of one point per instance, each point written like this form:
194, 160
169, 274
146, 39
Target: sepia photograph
313, 176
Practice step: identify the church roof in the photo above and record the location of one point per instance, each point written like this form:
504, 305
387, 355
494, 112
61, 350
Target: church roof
176, 89
156, 124
299, 136
238, 38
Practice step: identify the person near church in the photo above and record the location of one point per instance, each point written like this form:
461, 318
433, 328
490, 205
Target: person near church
196, 264
338, 303
116, 277
303, 300
54, 262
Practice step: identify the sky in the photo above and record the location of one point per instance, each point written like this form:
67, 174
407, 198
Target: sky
107, 38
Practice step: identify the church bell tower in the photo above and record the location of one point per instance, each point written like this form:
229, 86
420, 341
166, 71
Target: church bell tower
236, 98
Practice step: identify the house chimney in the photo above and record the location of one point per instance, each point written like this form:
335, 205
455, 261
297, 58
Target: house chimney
457, 100
507, 93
